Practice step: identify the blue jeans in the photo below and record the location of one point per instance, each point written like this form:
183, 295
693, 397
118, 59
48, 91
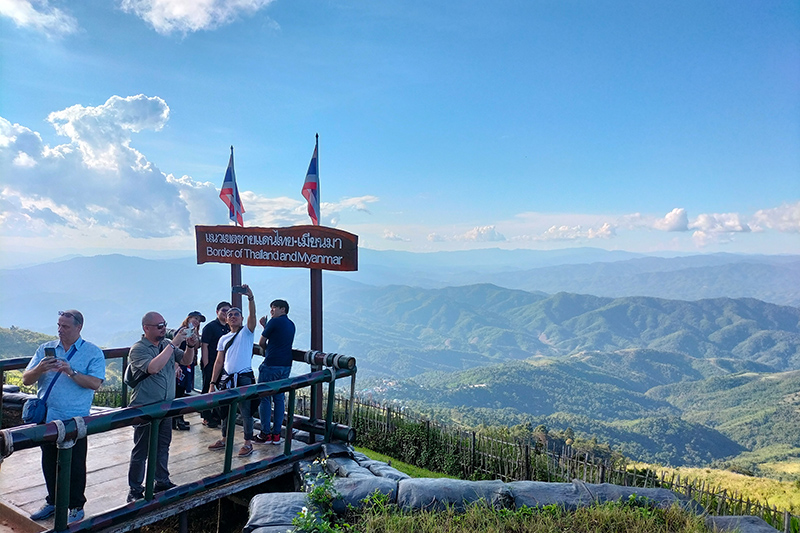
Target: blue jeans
278, 401
244, 409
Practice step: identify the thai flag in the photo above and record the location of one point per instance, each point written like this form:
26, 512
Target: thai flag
311, 187
230, 194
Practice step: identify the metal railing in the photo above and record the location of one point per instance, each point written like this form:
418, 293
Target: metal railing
63, 434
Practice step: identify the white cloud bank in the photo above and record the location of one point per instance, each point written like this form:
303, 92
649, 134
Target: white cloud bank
185, 16
97, 188
39, 16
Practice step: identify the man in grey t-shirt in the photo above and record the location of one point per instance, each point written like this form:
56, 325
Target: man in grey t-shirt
154, 355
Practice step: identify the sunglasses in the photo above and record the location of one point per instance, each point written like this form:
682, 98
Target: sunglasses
78, 319
160, 325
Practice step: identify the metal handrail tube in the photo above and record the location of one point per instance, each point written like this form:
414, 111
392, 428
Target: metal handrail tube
123, 514
25, 437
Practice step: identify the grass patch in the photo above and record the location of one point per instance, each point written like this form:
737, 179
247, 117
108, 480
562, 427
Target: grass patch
782, 494
614, 517
406, 468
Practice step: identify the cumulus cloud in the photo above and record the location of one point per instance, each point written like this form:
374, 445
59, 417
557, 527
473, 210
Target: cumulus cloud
96, 180
392, 236
97, 186
675, 220
186, 16
482, 234
571, 233
785, 218
716, 228
39, 16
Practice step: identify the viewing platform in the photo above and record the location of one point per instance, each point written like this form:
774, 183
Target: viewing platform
201, 475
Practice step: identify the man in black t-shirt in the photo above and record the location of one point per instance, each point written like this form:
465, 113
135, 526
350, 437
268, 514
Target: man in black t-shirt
213, 331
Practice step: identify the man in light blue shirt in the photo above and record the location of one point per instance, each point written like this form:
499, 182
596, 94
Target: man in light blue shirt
84, 369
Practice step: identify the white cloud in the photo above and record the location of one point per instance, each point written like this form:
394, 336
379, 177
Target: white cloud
570, 233
94, 181
392, 236
785, 218
185, 16
482, 234
38, 15
96, 187
675, 220
719, 223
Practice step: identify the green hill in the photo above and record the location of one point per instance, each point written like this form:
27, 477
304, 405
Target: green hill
16, 342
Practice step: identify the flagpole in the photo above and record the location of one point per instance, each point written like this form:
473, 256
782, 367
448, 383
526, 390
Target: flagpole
316, 311
236, 275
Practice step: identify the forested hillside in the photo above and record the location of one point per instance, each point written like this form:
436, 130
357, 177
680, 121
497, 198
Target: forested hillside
404, 331
16, 342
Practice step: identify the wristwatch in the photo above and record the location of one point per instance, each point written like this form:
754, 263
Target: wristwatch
73, 373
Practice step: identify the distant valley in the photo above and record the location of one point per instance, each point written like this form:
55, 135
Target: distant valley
706, 371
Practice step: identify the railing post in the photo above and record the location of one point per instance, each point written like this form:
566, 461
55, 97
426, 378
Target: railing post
287, 442
63, 472
152, 459
329, 414
124, 385
230, 430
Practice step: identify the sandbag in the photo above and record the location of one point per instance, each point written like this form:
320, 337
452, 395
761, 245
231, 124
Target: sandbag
742, 524
437, 494
344, 467
353, 490
275, 509
663, 498
383, 470
539, 493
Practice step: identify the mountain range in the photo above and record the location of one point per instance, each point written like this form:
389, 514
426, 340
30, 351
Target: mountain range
709, 375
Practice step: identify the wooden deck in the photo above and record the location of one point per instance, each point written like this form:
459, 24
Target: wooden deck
22, 488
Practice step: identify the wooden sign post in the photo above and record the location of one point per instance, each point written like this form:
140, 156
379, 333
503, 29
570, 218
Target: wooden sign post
317, 248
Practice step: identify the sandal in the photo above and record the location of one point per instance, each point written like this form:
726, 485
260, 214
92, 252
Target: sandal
246, 450
219, 445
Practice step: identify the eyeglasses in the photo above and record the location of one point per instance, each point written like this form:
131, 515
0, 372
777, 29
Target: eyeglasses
77, 318
225, 310
160, 325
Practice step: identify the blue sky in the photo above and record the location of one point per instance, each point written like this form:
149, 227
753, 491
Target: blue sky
644, 126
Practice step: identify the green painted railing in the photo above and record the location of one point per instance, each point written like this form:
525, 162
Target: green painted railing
63, 433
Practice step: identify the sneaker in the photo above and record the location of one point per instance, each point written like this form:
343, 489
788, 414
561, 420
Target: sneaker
219, 445
134, 495
74, 515
262, 439
246, 450
276, 439
161, 487
46, 511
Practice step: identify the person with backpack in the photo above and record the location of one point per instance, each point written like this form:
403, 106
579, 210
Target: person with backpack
152, 361
234, 368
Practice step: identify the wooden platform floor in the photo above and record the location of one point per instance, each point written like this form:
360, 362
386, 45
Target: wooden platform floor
22, 487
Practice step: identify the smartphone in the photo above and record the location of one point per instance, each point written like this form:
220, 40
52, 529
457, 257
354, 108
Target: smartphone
238, 289
189, 330
49, 352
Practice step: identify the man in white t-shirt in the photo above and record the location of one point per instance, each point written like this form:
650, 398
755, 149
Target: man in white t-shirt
234, 356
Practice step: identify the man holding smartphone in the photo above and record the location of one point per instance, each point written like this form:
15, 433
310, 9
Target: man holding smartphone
84, 369
155, 356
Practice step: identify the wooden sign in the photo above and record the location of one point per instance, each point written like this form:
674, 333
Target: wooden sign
316, 247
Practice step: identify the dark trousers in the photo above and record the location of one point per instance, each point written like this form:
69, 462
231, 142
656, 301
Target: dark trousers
77, 479
209, 415
141, 442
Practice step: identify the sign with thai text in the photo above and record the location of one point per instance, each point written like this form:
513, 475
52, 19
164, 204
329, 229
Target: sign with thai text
296, 246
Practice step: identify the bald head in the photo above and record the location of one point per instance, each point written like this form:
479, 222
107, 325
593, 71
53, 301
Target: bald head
154, 326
